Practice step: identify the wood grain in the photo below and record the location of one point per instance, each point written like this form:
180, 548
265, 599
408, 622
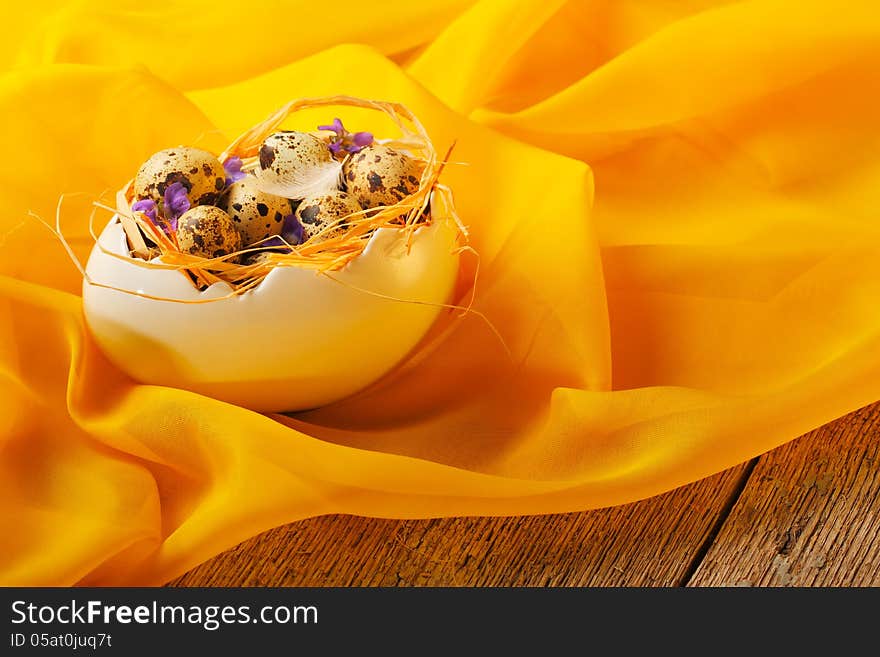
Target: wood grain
651, 542
809, 514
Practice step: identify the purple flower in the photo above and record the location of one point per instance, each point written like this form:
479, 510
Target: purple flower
336, 127
292, 230
148, 207
360, 140
176, 203
233, 170
291, 233
344, 140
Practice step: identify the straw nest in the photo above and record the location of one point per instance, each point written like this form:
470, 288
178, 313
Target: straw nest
152, 247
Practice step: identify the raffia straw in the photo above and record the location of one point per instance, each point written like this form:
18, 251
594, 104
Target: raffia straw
247, 278
150, 247
253, 282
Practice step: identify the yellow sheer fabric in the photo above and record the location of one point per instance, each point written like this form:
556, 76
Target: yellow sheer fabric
676, 205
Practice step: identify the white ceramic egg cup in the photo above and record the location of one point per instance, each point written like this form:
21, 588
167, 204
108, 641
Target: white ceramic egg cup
298, 340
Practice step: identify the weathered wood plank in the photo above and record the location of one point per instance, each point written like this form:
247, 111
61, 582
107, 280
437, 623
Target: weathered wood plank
652, 542
809, 514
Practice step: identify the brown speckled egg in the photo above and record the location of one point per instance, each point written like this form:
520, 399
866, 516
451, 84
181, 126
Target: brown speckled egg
198, 171
318, 212
379, 175
256, 215
207, 231
295, 165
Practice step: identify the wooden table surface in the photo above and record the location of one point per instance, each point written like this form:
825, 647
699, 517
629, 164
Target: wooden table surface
806, 514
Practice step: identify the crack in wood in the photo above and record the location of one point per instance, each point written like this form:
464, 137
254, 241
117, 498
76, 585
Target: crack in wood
714, 530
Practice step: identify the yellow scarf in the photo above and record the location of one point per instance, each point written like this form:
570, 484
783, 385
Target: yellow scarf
677, 207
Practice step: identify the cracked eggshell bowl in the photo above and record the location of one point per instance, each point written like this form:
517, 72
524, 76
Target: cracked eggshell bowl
296, 341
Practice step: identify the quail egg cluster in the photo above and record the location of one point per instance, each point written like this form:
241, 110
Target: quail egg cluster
300, 187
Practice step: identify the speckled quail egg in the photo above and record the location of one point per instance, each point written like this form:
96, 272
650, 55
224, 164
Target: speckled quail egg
295, 165
207, 231
256, 214
317, 213
198, 171
379, 175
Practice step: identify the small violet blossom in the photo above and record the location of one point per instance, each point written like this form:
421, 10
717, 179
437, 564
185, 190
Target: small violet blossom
292, 230
344, 140
291, 234
176, 203
232, 166
148, 207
